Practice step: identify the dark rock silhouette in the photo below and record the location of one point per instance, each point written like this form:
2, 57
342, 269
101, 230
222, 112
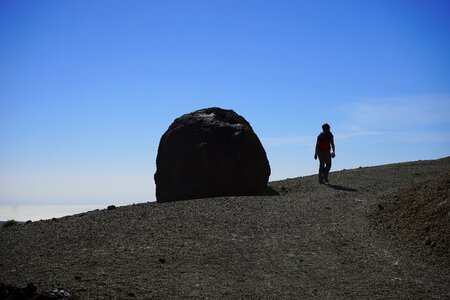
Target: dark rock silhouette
29, 292
210, 153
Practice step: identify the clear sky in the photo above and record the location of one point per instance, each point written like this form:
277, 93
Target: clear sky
87, 88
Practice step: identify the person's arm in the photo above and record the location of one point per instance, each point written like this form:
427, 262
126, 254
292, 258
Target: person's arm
317, 149
332, 147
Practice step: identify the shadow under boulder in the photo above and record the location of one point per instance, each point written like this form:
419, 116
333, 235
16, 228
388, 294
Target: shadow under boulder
210, 152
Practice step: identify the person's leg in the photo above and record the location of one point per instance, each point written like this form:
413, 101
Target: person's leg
327, 167
321, 168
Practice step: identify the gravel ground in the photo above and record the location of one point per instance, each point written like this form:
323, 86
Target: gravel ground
310, 242
421, 214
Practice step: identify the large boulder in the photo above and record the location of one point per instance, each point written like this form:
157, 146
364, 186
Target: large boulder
210, 152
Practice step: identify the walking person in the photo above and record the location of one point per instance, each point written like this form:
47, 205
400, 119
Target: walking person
325, 143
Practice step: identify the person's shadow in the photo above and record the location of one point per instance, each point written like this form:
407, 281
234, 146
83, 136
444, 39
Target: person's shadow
341, 188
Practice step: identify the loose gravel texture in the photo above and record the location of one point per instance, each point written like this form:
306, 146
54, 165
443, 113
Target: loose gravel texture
310, 242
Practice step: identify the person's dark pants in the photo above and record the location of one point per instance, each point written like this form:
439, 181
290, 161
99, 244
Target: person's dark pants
325, 165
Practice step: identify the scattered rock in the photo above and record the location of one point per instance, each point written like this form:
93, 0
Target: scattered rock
445, 202
60, 293
210, 153
9, 292
9, 223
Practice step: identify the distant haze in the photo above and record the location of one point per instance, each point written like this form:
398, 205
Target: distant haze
38, 212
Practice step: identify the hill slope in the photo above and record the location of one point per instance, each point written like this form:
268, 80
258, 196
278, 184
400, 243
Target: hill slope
421, 214
312, 241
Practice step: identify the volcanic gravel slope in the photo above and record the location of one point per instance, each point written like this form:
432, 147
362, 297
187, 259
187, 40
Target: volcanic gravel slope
421, 214
311, 242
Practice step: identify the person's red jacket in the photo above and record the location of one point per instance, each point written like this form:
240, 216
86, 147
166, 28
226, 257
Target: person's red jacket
325, 142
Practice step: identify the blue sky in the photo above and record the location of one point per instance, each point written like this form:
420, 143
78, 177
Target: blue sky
87, 88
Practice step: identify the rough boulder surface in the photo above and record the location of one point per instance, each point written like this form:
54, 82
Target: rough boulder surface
210, 153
